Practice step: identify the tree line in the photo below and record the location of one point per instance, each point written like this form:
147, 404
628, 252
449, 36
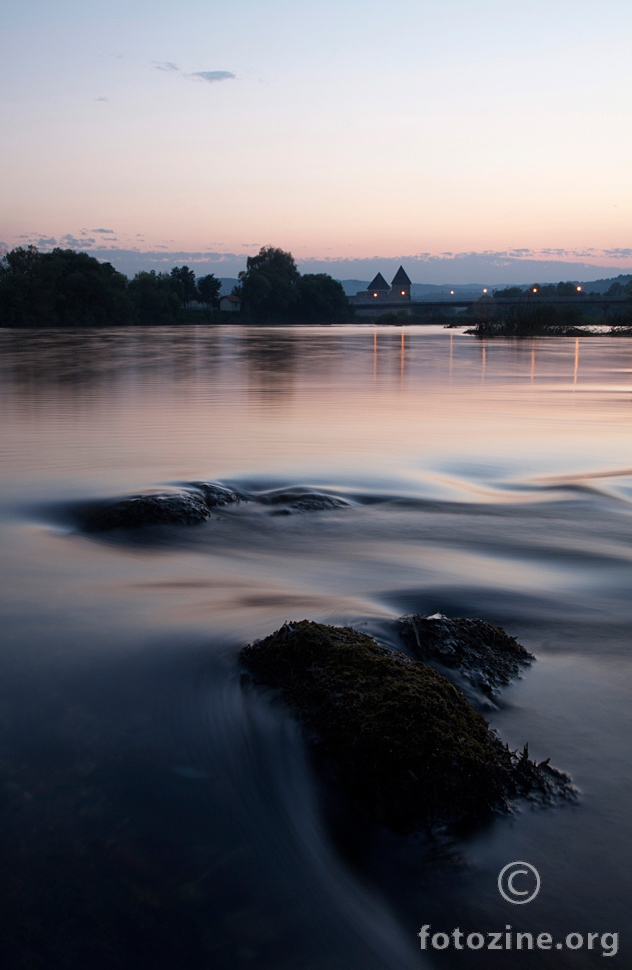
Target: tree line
68, 288
566, 291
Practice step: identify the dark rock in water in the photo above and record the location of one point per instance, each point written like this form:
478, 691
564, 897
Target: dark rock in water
301, 500
402, 741
487, 656
193, 504
140, 510
217, 495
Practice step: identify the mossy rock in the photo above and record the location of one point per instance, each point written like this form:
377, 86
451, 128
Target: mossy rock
402, 741
486, 655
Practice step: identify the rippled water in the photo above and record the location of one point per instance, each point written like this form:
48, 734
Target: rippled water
158, 813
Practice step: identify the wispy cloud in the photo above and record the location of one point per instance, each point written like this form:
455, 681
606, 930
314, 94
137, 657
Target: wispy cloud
104, 231
101, 99
167, 66
212, 77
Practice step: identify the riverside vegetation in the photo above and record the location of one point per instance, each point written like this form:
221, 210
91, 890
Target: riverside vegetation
540, 311
64, 288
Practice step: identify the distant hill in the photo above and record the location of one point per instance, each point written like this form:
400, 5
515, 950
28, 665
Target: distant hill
602, 286
228, 282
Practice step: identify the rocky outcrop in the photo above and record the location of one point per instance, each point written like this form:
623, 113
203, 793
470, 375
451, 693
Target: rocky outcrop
145, 510
486, 656
215, 496
194, 502
287, 501
397, 736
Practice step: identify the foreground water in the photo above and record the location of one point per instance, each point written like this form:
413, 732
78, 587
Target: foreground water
157, 812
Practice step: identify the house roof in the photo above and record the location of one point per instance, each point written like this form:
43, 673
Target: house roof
379, 283
232, 298
401, 277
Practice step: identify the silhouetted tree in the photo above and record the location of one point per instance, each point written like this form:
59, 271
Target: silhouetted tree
320, 297
559, 290
154, 298
67, 288
62, 288
183, 283
269, 283
273, 288
209, 289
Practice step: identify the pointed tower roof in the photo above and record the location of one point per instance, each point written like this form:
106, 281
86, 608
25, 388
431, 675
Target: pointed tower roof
401, 277
379, 283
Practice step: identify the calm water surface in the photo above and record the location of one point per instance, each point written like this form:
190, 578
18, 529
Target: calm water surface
159, 813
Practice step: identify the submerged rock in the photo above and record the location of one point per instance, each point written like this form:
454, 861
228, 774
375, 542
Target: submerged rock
487, 656
217, 495
300, 499
398, 736
141, 510
190, 506
193, 503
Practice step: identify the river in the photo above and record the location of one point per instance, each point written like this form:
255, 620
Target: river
156, 811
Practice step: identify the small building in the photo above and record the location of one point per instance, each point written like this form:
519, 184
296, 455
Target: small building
230, 303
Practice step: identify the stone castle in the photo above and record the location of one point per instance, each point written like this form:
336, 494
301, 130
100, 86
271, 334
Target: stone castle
378, 290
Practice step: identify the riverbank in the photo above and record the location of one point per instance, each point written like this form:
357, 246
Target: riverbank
503, 328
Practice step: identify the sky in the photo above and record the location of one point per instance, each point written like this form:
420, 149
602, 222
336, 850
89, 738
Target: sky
463, 138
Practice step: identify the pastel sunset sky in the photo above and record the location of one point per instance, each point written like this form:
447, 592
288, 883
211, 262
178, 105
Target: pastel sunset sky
342, 131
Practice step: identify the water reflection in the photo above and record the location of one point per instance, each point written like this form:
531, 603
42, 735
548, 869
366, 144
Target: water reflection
271, 362
268, 360
479, 478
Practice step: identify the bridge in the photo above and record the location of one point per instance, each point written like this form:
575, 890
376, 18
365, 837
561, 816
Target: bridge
454, 301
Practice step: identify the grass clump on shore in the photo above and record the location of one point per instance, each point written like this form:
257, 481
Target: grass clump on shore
404, 743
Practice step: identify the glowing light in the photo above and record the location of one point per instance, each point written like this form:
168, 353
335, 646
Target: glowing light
485, 290
403, 292
579, 289
375, 294
451, 292
535, 289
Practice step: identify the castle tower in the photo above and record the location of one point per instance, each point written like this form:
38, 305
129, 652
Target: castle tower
401, 285
379, 288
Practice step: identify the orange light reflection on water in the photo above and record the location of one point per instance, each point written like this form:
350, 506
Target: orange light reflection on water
158, 403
